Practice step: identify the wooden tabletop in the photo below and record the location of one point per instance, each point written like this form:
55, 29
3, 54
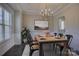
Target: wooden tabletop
50, 39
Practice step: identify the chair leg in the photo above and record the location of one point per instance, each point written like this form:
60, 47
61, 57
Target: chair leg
55, 49
71, 52
31, 51
61, 49
60, 52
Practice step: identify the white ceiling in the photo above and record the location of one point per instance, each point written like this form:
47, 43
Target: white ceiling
34, 8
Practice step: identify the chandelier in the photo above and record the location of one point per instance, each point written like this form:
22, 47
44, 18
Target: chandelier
46, 12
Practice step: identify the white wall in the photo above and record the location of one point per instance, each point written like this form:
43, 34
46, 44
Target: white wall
18, 25
71, 13
4, 46
28, 21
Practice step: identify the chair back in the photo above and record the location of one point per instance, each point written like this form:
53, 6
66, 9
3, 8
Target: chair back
29, 37
23, 34
55, 34
69, 38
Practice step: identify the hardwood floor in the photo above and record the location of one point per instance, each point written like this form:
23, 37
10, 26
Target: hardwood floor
16, 50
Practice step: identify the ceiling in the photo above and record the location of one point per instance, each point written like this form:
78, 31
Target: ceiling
34, 8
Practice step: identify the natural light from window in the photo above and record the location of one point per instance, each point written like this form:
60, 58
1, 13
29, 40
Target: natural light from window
5, 25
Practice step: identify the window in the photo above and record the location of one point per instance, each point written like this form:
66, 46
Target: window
61, 24
0, 15
5, 25
1, 28
1, 34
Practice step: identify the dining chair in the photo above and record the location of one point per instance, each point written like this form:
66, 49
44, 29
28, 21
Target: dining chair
32, 44
54, 44
55, 34
69, 39
23, 35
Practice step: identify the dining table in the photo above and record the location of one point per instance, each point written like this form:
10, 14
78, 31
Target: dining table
49, 39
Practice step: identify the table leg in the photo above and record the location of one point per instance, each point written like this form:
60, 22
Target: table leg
41, 52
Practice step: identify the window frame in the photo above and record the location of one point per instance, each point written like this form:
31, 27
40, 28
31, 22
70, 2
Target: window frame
60, 19
4, 25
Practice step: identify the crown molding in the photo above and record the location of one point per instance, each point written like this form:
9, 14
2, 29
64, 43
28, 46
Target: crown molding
63, 8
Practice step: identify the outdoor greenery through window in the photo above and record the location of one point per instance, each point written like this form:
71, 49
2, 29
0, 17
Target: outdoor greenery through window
5, 25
